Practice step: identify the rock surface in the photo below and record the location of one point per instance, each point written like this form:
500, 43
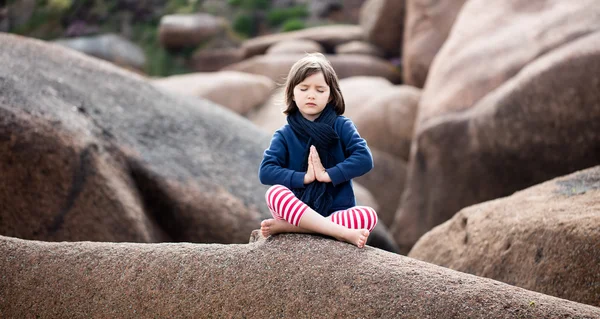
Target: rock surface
188, 30
291, 276
90, 151
383, 24
249, 90
545, 238
486, 130
426, 28
386, 182
269, 117
109, 47
210, 60
359, 47
358, 91
278, 66
327, 36
297, 46
387, 119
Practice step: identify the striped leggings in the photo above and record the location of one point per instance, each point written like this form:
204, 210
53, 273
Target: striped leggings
285, 205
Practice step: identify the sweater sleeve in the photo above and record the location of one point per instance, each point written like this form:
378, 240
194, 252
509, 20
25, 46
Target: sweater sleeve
273, 171
358, 160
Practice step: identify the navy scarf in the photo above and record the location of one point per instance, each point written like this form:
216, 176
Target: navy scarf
321, 134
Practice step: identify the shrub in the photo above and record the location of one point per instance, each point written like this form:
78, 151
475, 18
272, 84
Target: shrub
250, 4
276, 17
292, 25
244, 24
234, 3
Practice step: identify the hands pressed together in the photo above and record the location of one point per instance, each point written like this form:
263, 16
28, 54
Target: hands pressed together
315, 170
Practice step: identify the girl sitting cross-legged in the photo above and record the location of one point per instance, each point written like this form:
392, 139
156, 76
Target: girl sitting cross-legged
312, 160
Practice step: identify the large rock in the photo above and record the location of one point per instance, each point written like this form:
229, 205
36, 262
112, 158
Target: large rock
109, 47
358, 91
386, 183
278, 66
250, 90
188, 30
364, 196
387, 120
269, 117
426, 28
457, 83
214, 59
545, 239
297, 46
327, 36
383, 23
359, 47
487, 130
89, 151
290, 276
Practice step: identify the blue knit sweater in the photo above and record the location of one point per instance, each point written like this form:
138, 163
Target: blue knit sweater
282, 162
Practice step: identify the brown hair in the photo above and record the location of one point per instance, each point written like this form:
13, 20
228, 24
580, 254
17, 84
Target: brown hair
310, 64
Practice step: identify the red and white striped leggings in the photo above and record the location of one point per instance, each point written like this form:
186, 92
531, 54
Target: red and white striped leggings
285, 205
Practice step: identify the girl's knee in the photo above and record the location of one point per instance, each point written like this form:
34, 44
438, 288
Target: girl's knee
274, 194
271, 191
372, 214
275, 188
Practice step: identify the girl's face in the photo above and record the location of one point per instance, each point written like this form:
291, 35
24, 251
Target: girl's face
311, 96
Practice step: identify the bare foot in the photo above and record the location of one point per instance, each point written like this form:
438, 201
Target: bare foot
357, 237
273, 226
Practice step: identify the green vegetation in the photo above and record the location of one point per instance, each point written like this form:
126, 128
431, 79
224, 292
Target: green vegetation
52, 19
245, 24
277, 17
250, 4
293, 25
182, 6
139, 20
159, 61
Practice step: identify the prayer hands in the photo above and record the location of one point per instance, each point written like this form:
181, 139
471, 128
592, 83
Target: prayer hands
314, 161
309, 177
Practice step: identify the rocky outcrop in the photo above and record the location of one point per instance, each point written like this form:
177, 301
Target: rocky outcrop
297, 46
426, 28
545, 238
327, 36
383, 24
486, 130
387, 119
210, 60
386, 182
188, 30
359, 47
278, 66
269, 117
290, 276
250, 90
358, 91
90, 151
109, 47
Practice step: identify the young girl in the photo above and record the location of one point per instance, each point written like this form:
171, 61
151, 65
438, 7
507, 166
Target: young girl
312, 160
